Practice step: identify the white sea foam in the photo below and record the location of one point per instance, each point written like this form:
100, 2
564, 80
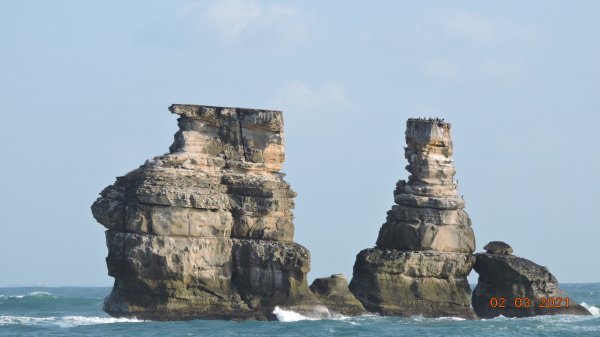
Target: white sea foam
40, 294
31, 294
63, 322
450, 319
594, 310
317, 313
444, 319
290, 316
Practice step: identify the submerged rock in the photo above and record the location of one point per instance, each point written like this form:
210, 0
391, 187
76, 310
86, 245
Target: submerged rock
206, 230
333, 292
423, 253
512, 286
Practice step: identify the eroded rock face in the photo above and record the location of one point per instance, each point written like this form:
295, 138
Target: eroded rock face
423, 252
512, 286
333, 292
206, 230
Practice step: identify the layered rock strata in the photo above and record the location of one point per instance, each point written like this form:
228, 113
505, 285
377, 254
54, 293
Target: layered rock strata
206, 231
516, 287
424, 250
333, 292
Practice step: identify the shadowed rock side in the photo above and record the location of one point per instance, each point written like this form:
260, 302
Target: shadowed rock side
516, 287
206, 230
423, 253
333, 292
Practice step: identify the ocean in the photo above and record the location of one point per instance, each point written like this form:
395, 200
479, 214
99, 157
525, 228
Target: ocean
77, 311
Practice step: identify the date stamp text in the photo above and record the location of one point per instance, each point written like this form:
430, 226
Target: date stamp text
526, 302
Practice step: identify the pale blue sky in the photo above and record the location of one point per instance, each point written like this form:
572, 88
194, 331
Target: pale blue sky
85, 86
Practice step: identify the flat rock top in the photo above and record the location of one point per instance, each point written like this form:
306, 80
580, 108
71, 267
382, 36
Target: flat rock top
192, 109
230, 116
498, 247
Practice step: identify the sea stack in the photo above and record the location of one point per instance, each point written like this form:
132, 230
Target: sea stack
424, 250
512, 286
205, 231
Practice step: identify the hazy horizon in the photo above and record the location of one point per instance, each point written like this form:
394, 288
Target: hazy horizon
85, 88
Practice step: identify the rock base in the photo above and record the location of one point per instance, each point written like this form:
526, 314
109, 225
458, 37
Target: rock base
179, 278
429, 284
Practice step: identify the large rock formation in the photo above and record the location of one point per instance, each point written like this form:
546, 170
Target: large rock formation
423, 253
206, 230
516, 287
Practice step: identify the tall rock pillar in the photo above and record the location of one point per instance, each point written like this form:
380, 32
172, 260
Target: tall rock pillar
205, 231
424, 250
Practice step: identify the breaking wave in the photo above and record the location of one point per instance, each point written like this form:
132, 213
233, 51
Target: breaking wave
33, 294
322, 313
444, 318
63, 322
594, 310
318, 313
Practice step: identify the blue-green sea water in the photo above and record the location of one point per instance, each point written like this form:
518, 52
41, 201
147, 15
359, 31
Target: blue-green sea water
70, 311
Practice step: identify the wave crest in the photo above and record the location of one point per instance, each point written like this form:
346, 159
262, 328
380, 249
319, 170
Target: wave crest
317, 313
63, 322
35, 294
420, 318
592, 309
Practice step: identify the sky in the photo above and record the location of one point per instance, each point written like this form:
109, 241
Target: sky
85, 87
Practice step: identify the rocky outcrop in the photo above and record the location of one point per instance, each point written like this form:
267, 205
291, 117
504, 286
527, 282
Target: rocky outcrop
333, 292
498, 247
516, 287
205, 231
423, 253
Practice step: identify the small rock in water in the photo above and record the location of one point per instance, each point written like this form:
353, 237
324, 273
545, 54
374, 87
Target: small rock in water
333, 292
